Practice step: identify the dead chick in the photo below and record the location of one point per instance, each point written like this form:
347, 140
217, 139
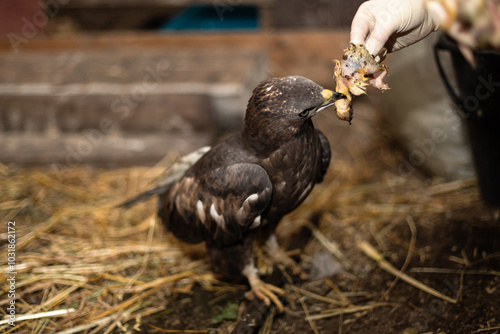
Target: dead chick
353, 73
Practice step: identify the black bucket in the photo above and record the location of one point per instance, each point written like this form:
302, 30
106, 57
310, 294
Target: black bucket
478, 101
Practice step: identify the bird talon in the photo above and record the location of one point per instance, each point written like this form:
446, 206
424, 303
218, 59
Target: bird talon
266, 292
281, 257
250, 295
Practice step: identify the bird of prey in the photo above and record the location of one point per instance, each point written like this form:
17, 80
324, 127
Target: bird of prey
238, 191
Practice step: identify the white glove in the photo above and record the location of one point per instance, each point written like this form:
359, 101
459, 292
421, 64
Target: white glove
394, 24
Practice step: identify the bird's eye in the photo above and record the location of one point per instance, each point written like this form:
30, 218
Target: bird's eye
305, 113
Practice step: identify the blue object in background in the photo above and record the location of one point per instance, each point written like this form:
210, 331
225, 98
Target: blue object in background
215, 18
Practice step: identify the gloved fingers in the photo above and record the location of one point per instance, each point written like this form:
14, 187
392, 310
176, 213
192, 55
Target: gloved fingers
360, 29
392, 24
378, 38
373, 24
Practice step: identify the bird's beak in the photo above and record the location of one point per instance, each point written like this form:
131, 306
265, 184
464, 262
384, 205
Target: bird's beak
330, 98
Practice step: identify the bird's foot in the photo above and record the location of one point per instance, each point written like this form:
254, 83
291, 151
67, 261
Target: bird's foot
266, 292
280, 257
283, 258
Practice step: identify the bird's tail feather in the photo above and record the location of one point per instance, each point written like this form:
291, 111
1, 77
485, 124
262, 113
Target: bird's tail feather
161, 189
171, 175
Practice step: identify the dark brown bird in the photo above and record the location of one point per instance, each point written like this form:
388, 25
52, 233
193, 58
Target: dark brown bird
240, 189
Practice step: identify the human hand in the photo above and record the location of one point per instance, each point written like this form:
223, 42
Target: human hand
392, 24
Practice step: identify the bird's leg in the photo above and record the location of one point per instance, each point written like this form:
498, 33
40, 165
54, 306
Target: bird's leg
263, 264
264, 291
278, 256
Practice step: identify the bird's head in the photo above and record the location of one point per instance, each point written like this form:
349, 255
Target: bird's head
284, 105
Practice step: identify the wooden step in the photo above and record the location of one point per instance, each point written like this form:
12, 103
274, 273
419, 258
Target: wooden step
123, 103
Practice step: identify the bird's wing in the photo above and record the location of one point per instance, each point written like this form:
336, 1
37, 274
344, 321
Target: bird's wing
326, 154
220, 205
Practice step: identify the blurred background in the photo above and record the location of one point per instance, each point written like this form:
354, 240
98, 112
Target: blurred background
121, 82
111, 82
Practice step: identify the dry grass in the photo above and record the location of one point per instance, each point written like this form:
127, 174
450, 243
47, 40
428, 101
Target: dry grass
80, 262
